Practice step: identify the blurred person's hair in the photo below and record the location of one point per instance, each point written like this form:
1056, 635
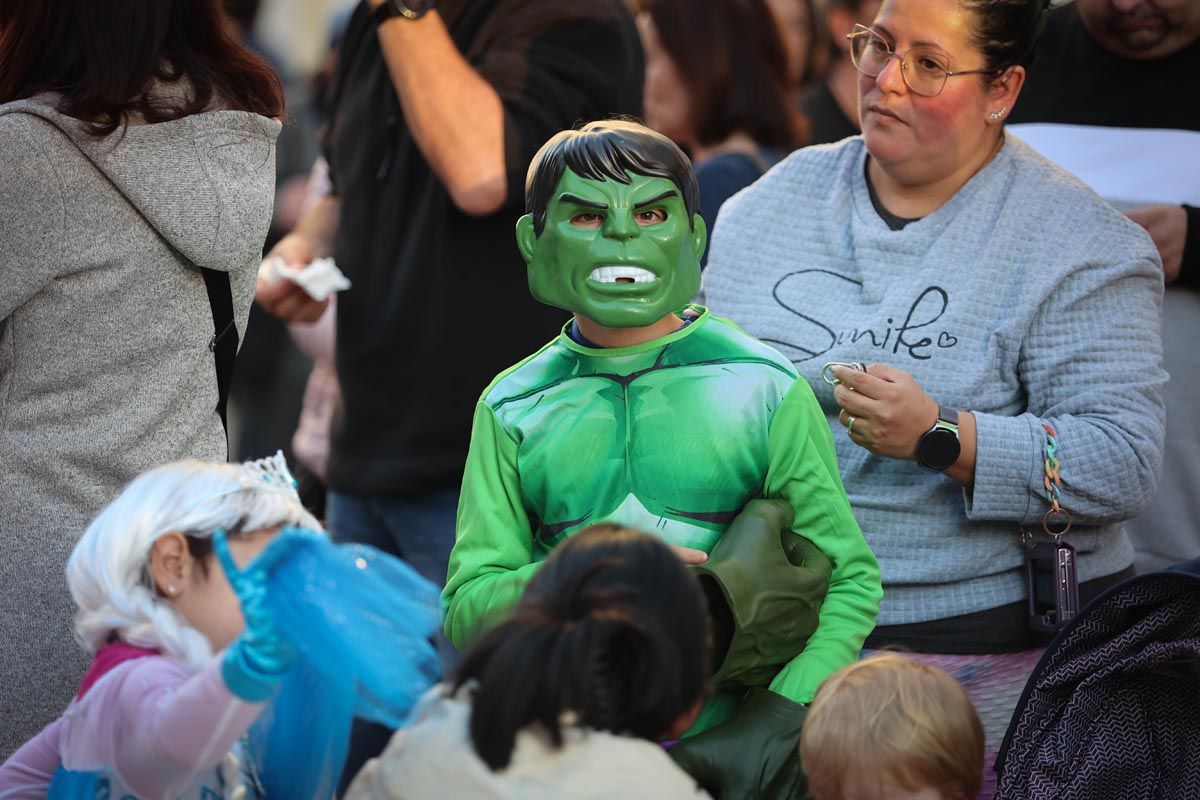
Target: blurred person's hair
243, 12
611, 634
817, 57
732, 58
833, 52
606, 150
894, 720
105, 60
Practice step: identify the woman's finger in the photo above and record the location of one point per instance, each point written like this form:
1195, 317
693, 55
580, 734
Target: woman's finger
886, 373
857, 403
860, 382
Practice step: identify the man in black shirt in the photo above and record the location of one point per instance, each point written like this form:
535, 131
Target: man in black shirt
1129, 65
435, 116
1117, 82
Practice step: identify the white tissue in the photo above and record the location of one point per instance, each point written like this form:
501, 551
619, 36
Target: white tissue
319, 278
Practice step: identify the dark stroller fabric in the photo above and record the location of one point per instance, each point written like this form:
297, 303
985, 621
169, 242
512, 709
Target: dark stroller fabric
1112, 711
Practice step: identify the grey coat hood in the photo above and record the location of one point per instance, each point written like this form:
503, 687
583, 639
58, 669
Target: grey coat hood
185, 177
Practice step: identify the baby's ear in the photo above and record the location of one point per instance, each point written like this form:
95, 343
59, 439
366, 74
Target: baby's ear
526, 237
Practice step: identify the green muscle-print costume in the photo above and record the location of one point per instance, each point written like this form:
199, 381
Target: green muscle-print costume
674, 437
676, 423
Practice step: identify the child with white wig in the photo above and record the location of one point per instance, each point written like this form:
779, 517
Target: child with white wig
183, 586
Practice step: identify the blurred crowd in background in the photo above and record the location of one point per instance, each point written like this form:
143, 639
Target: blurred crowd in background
793, 85
406, 160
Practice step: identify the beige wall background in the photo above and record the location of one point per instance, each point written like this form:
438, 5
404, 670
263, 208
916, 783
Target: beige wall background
297, 30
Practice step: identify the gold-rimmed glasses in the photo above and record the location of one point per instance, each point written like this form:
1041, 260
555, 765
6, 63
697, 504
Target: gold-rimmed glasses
924, 69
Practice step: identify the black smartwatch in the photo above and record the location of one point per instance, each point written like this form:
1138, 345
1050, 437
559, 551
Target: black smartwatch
409, 9
939, 447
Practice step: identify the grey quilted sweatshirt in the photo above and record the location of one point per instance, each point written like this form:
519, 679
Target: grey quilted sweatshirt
105, 323
1025, 299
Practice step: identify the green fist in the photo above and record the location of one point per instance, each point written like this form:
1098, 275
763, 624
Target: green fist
753, 756
765, 586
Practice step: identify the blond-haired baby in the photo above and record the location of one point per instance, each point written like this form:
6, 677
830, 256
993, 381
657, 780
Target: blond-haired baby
890, 728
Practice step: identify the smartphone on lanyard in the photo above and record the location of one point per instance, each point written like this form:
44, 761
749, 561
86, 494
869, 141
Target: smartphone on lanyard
1052, 585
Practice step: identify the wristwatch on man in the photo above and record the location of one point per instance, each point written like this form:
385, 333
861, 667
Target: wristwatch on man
409, 9
939, 447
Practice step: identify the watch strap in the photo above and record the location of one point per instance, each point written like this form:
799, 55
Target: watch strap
948, 416
399, 8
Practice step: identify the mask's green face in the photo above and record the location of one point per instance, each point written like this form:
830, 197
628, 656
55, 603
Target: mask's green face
622, 255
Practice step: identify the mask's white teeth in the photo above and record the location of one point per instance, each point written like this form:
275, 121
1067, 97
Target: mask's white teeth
611, 274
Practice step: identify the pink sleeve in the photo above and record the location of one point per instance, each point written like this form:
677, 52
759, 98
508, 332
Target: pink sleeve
156, 725
26, 774
316, 339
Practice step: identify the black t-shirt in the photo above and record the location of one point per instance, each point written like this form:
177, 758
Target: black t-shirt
411, 358
1075, 81
997, 630
894, 222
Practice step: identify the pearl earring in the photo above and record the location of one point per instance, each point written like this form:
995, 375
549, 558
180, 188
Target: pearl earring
170, 590
996, 115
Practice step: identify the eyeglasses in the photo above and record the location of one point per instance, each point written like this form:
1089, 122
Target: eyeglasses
924, 70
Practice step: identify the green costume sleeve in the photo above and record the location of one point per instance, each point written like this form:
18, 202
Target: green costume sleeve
803, 470
492, 559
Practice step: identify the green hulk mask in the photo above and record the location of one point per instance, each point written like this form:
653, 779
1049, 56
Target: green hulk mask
623, 253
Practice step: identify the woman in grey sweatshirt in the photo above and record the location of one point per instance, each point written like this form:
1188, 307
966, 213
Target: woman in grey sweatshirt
137, 150
971, 276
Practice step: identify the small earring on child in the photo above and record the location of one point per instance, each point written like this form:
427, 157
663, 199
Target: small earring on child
170, 590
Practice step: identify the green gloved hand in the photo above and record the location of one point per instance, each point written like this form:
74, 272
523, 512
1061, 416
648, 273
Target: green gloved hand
765, 586
753, 756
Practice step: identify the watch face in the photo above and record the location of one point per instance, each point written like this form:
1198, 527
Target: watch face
938, 449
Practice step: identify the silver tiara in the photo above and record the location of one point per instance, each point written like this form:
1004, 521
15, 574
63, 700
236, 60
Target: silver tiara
268, 474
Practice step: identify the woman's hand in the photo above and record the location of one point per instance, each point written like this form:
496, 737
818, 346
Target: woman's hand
281, 297
884, 409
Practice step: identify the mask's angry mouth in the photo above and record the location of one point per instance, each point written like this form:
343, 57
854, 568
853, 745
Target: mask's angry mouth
622, 275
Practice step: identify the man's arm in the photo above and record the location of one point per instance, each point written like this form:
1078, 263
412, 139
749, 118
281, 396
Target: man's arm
492, 559
804, 471
478, 117
1189, 267
1170, 227
455, 116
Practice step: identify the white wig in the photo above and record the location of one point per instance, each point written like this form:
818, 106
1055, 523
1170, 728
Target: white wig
109, 570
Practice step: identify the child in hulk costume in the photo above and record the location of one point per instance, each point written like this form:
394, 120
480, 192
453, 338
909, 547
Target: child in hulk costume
653, 414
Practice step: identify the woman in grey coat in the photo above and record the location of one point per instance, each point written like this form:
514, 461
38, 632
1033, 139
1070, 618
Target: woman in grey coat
137, 165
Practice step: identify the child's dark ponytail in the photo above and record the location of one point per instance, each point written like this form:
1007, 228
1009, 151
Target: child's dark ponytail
610, 635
